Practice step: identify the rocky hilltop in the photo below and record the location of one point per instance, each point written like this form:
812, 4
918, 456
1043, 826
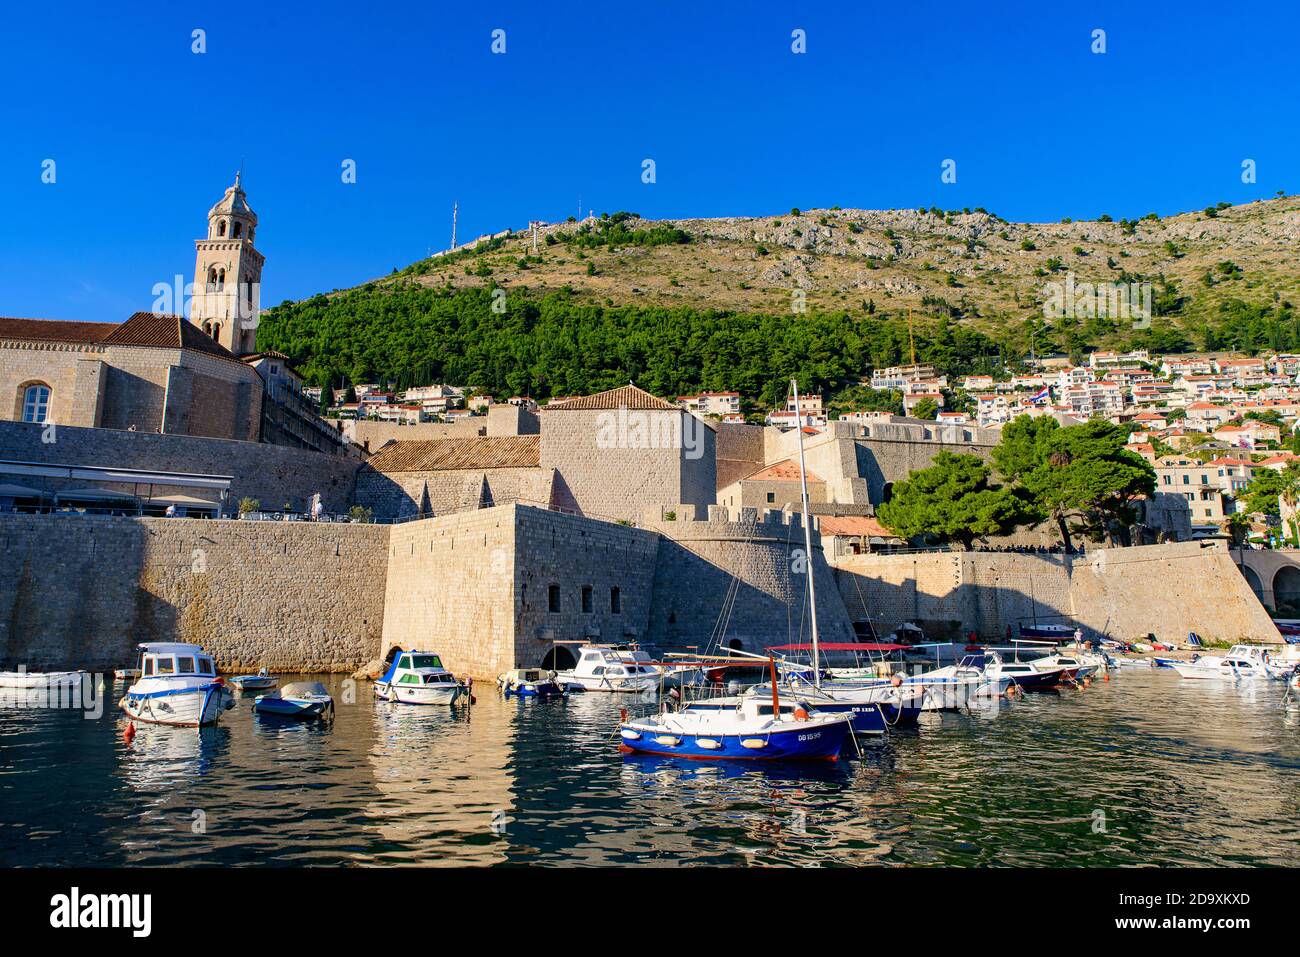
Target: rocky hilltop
971, 263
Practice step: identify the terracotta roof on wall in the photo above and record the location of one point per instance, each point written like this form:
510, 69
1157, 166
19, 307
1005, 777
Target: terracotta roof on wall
435, 455
54, 330
787, 470
141, 329
624, 397
852, 525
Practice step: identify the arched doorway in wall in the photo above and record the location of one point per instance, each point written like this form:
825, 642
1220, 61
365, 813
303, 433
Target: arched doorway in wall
1253, 581
1286, 587
559, 658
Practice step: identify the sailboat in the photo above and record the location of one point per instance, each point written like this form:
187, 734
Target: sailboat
751, 726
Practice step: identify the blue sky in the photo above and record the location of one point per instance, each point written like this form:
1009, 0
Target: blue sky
146, 134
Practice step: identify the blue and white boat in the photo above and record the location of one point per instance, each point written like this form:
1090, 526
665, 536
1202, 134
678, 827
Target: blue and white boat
418, 677
530, 683
301, 700
747, 727
262, 681
178, 685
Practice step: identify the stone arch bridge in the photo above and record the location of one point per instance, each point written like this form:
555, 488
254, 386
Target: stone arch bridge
1273, 575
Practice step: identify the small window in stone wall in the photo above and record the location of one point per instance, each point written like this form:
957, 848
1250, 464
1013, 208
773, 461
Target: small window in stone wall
587, 607
553, 598
616, 601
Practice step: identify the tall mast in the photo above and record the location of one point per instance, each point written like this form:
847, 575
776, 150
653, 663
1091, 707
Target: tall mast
807, 538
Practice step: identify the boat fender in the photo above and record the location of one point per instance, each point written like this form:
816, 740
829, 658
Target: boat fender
801, 711
622, 715
128, 735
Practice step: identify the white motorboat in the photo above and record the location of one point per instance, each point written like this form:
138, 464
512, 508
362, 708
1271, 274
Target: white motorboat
1028, 675
418, 677
1083, 665
31, 680
955, 686
178, 685
610, 668
1241, 662
262, 681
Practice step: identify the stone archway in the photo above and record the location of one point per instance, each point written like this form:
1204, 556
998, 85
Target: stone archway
559, 659
1253, 581
1286, 587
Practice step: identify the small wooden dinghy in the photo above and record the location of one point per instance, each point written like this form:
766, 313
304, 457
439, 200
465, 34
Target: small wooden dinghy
301, 700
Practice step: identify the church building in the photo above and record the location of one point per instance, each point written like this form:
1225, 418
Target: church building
200, 376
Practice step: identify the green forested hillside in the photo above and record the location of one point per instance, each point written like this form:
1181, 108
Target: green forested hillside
556, 345
743, 304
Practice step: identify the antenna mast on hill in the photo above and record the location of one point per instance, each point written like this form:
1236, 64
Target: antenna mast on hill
455, 207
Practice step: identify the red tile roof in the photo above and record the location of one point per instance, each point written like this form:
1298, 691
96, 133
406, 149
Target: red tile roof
852, 525
141, 329
433, 455
787, 470
624, 397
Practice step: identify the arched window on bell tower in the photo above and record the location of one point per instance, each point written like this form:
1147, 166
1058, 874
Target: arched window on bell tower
221, 228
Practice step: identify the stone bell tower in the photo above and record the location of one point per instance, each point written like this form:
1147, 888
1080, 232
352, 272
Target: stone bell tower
228, 274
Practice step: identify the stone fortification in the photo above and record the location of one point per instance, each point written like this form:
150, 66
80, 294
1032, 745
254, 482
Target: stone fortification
81, 591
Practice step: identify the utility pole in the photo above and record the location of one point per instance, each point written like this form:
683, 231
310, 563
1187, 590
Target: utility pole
455, 208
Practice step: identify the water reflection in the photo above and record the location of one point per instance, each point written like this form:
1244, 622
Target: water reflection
1145, 769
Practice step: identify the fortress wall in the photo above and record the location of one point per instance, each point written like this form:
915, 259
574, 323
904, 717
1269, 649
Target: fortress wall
475, 586
401, 494
273, 474
888, 590
450, 589
502, 419
575, 552
81, 591
1166, 590
698, 562
739, 452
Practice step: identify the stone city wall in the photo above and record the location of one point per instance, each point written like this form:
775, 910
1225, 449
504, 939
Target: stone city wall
1166, 590
82, 591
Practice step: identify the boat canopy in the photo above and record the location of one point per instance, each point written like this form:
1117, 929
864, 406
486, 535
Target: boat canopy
392, 668
841, 646
298, 689
170, 648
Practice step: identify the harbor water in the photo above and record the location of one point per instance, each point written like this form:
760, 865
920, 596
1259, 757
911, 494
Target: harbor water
1143, 769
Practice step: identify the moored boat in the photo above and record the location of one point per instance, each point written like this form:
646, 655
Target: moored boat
1242, 662
418, 677
126, 674
32, 680
178, 685
530, 683
262, 681
612, 669
745, 728
301, 700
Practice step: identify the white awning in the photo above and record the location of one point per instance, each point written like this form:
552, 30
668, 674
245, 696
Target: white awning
187, 500
92, 495
18, 491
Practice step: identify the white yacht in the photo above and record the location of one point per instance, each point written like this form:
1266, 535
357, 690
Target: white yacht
1241, 661
609, 668
178, 685
418, 677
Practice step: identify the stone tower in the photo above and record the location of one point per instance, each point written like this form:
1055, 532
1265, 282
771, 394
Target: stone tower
228, 274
